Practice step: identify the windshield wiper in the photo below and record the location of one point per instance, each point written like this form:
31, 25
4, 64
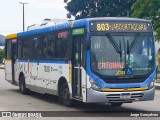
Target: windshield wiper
133, 43
120, 51
115, 45
113, 42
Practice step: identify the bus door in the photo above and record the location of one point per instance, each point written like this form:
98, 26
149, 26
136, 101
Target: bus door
13, 57
8, 63
76, 65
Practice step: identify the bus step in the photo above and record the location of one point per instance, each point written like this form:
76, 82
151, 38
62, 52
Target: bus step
78, 97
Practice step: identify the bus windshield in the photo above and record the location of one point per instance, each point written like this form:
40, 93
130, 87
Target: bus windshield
122, 54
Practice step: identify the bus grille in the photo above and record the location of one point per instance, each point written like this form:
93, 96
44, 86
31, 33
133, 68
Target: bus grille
124, 80
117, 98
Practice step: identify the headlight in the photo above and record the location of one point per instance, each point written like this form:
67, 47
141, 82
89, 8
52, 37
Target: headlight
152, 84
94, 86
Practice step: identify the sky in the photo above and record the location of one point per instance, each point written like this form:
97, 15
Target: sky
11, 11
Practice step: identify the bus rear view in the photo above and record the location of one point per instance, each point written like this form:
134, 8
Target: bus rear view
121, 68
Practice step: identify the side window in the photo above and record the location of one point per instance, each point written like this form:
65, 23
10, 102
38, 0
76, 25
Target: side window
58, 49
26, 51
49, 46
63, 45
36, 47
8, 49
19, 49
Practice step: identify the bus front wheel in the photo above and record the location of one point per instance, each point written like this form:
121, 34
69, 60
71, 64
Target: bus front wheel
66, 95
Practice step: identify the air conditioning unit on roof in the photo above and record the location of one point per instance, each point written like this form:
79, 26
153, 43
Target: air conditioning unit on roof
46, 23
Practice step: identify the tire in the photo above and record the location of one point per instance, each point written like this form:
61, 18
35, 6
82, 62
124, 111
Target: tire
116, 104
22, 85
60, 93
65, 95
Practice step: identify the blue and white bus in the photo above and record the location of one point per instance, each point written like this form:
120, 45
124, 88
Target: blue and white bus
94, 60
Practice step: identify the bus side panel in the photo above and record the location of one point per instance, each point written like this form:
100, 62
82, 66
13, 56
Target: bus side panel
22, 67
8, 70
49, 75
42, 77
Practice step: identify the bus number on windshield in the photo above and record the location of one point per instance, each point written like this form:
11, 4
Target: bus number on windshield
102, 27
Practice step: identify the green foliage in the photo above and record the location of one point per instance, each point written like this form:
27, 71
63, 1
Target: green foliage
1, 55
98, 8
148, 9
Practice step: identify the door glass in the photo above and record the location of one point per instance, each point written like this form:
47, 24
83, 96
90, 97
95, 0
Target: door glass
77, 52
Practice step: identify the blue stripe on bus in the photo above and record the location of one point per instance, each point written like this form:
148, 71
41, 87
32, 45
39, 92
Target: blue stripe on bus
93, 76
43, 61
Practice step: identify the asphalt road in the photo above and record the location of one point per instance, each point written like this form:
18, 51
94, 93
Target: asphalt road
12, 100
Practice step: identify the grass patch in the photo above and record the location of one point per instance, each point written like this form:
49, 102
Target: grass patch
157, 87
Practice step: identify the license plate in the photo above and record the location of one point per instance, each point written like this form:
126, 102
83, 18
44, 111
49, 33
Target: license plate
125, 96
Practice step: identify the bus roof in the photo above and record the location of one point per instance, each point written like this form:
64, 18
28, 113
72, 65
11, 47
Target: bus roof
76, 23
10, 36
118, 19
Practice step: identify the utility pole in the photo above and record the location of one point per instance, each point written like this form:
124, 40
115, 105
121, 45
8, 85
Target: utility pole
23, 14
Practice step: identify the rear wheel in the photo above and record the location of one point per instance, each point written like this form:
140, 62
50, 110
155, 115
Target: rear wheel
60, 93
22, 85
116, 104
65, 95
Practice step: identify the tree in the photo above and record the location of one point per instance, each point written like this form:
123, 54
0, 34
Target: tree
148, 9
1, 55
98, 8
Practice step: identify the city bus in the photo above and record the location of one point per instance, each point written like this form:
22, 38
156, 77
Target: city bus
93, 60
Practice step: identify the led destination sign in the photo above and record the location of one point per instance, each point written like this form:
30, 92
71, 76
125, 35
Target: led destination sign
120, 26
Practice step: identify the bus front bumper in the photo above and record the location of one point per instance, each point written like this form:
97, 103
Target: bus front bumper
124, 97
